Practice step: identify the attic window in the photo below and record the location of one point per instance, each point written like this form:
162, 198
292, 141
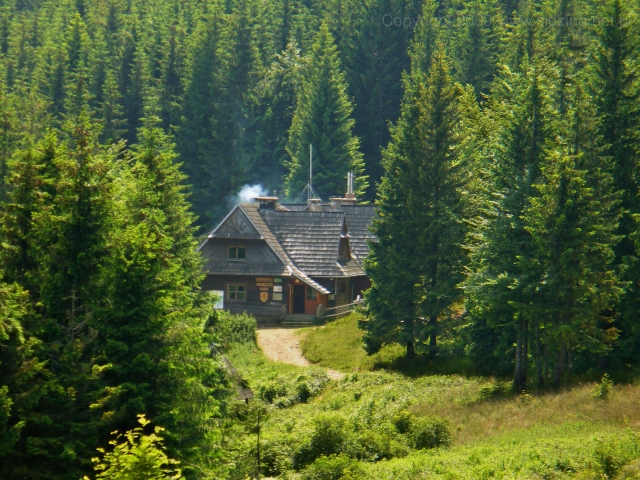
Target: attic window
236, 253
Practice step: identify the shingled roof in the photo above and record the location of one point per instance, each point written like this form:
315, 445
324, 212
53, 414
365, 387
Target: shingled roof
307, 243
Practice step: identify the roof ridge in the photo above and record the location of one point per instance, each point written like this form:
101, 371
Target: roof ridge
269, 237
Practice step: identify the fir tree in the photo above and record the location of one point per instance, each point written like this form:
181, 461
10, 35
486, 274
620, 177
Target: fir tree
375, 57
615, 89
205, 140
477, 47
323, 119
277, 103
417, 264
502, 279
151, 339
110, 112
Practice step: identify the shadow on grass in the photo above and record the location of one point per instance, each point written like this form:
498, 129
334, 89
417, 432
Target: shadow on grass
422, 365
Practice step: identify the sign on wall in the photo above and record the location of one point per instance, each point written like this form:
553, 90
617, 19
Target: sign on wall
219, 299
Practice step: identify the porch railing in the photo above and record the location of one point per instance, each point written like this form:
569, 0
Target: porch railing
338, 311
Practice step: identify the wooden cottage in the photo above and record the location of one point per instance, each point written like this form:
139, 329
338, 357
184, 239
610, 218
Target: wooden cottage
273, 260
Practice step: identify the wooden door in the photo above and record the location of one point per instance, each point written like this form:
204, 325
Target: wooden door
298, 299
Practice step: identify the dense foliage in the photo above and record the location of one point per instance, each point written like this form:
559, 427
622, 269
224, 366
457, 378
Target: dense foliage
534, 176
500, 140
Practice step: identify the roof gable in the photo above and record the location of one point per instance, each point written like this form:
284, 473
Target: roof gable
236, 225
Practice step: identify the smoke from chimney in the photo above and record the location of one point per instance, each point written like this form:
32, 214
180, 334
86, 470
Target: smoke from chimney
249, 192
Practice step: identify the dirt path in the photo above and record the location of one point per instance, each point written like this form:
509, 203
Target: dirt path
283, 345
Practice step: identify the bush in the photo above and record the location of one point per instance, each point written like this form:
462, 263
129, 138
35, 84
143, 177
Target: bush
612, 454
602, 390
328, 435
372, 446
333, 468
430, 432
271, 390
136, 455
494, 389
230, 329
403, 421
284, 393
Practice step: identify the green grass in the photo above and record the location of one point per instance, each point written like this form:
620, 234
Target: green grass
349, 428
338, 345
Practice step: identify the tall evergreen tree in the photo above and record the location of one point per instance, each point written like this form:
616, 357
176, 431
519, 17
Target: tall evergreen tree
375, 56
419, 229
477, 45
323, 119
502, 279
276, 106
205, 140
151, 340
615, 88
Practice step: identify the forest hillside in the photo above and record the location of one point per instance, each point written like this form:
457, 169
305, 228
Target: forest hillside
499, 141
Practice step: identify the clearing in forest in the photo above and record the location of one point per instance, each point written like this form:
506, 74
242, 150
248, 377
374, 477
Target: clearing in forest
283, 345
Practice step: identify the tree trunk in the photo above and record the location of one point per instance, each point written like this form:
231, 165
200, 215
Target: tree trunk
560, 361
411, 352
433, 334
539, 378
517, 380
570, 360
524, 364
546, 362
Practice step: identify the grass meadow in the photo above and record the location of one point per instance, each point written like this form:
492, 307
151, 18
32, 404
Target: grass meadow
385, 424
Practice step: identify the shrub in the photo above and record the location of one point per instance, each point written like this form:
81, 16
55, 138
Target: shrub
403, 421
333, 468
271, 390
276, 457
602, 390
328, 435
230, 329
284, 392
136, 455
493, 389
310, 385
430, 432
608, 460
372, 446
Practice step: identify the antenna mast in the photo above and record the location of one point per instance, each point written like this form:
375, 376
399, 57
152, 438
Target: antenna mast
310, 172
311, 194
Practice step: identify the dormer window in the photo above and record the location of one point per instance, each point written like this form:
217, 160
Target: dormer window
236, 253
344, 253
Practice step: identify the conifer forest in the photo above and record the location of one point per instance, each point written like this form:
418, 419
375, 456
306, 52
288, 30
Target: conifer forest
499, 141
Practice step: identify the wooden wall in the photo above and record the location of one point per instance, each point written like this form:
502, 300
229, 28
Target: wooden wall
253, 304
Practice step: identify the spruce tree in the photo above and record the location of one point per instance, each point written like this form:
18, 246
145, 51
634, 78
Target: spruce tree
323, 119
110, 111
55, 224
375, 56
573, 234
615, 88
477, 45
205, 139
276, 105
8, 135
151, 340
416, 266
502, 278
